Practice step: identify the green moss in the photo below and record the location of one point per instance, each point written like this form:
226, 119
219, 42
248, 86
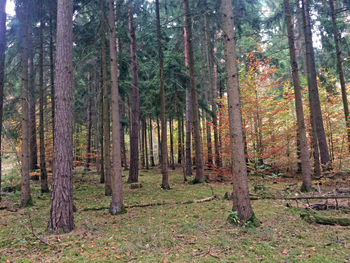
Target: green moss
196, 181
306, 189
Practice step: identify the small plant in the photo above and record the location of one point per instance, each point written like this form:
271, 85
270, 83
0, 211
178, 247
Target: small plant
233, 218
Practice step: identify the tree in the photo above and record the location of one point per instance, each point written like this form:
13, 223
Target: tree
116, 175
61, 205
2, 68
241, 200
304, 151
194, 100
135, 104
88, 124
43, 171
340, 68
22, 12
315, 106
164, 139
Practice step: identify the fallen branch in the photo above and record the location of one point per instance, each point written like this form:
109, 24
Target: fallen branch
31, 230
313, 197
207, 199
323, 220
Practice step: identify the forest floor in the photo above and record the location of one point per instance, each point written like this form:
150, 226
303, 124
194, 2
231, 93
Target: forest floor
196, 232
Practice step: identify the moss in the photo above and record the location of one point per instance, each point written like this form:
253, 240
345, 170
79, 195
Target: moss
323, 220
306, 189
29, 203
197, 181
253, 221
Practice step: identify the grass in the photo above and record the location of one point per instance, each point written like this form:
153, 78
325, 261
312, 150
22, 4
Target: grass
169, 233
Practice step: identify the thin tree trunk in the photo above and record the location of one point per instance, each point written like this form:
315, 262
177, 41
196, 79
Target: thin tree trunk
146, 146
2, 70
241, 200
102, 163
52, 77
25, 184
194, 100
122, 134
135, 107
61, 205
159, 143
164, 146
151, 142
88, 126
188, 168
116, 205
106, 110
142, 144
43, 172
172, 163
312, 83
340, 69
179, 142
304, 151
218, 161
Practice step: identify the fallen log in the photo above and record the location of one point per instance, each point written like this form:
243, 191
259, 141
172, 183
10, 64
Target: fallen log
323, 220
313, 197
207, 199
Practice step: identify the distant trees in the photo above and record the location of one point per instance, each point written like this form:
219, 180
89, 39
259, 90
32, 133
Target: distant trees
2, 69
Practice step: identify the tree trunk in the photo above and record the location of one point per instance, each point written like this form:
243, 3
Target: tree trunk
151, 142
146, 146
25, 184
100, 119
43, 172
135, 107
241, 200
179, 142
142, 145
218, 161
194, 100
304, 151
106, 110
2, 69
312, 83
164, 146
61, 210
116, 176
340, 68
159, 143
88, 125
52, 77
172, 163
122, 134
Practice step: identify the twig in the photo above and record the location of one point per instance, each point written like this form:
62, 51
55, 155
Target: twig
31, 230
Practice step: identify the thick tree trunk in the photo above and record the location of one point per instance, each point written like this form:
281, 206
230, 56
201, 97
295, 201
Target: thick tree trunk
2, 69
106, 110
43, 172
164, 146
188, 168
61, 206
25, 184
340, 69
304, 151
312, 83
194, 100
135, 107
88, 126
116, 176
241, 200
151, 143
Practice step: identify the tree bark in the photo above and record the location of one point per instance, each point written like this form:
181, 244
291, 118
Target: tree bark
43, 171
88, 125
241, 200
122, 134
146, 146
116, 205
340, 68
135, 107
52, 77
171, 130
25, 183
106, 95
151, 143
312, 83
304, 151
179, 141
2, 70
164, 146
100, 120
61, 205
194, 100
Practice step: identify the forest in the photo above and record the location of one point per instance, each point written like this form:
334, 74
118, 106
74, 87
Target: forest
174, 131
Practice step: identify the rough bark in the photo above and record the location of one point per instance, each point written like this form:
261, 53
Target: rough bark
2, 69
135, 107
241, 198
25, 184
194, 100
188, 168
164, 146
61, 205
340, 69
106, 95
302, 140
88, 125
312, 83
116, 205
43, 171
